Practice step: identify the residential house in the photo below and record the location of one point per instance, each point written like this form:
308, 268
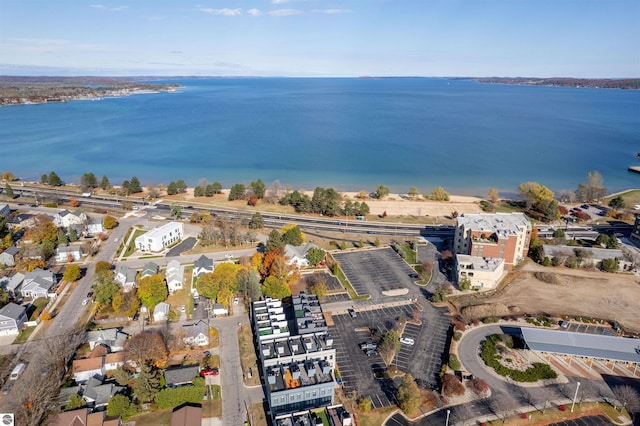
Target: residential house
481, 272
338, 416
98, 393
179, 376
174, 276
65, 219
32, 253
94, 226
38, 283
113, 361
202, 265
113, 338
12, 319
187, 415
297, 255
588, 256
68, 254
196, 334
83, 417
161, 312
14, 284
85, 368
5, 210
159, 238
494, 235
20, 221
126, 277
219, 310
8, 257
149, 269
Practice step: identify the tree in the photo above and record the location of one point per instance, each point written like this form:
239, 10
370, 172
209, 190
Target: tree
63, 240
172, 189
8, 176
72, 273
292, 235
122, 376
152, 290
439, 295
465, 283
439, 194
44, 178
134, 186
610, 265
75, 402
126, 303
223, 280
217, 187
104, 183
389, 344
181, 186
121, 405
409, 395
106, 288
252, 200
274, 240
592, 189
9, 191
539, 200
249, 284
381, 191
258, 187
237, 192
324, 201
413, 192
613, 243
628, 397
275, 288
147, 385
198, 191
320, 289
109, 222
88, 181
493, 195
54, 180
74, 202
148, 348
73, 235
256, 221
617, 203
315, 255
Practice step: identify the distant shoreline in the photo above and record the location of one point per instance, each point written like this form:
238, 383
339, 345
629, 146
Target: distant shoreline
590, 83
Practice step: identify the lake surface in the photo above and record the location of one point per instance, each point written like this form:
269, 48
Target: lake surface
350, 134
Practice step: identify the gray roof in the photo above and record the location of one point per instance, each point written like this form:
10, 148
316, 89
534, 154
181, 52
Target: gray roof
181, 375
99, 392
150, 268
594, 253
13, 250
13, 311
15, 281
110, 336
193, 330
581, 344
299, 251
203, 262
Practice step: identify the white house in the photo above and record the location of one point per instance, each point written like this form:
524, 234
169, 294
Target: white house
202, 265
113, 338
297, 255
196, 334
149, 269
12, 319
159, 238
161, 312
8, 257
65, 218
68, 254
94, 226
86, 368
126, 277
174, 276
38, 283
14, 283
219, 310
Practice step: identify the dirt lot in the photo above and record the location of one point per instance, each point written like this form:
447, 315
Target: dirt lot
576, 293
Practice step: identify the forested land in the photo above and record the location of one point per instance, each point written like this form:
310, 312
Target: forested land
596, 83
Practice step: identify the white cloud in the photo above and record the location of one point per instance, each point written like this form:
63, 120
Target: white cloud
285, 12
109, 9
254, 12
223, 12
331, 11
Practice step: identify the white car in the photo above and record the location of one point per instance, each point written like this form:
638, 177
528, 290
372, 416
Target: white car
85, 301
228, 256
236, 300
183, 308
407, 341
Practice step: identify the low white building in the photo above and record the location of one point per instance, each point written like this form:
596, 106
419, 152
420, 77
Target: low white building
159, 238
126, 277
65, 218
483, 272
161, 312
68, 254
38, 283
8, 257
297, 255
196, 334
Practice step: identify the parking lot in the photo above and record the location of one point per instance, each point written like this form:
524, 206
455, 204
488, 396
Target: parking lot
589, 329
364, 373
375, 271
585, 421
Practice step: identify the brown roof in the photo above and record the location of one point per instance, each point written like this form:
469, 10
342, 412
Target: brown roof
95, 419
70, 418
98, 351
87, 364
187, 416
114, 357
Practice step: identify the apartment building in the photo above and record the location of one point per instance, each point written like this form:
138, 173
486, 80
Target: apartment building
161, 237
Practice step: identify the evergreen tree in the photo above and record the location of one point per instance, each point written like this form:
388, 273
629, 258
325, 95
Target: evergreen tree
217, 187
172, 189
62, 238
75, 402
104, 183
44, 178
256, 221
181, 186
9, 191
198, 191
210, 190
259, 188
237, 192
54, 179
147, 385
73, 235
134, 186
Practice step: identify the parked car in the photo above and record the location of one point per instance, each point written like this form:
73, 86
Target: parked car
84, 302
183, 308
228, 256
209, 372
370, 352
236, 300
407, 341
352, 312
368, 345
89, 294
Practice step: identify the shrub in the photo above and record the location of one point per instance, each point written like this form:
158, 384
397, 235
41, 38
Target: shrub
479, 386
490, 320
454, 362
451, 386
562, 408
457, 336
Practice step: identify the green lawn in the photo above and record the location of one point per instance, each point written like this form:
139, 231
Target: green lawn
631, 198
36, 308
24, 335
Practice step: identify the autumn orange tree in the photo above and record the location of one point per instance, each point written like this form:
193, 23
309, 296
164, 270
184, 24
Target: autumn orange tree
221, 284
146, 348
152, 290
109, 222
72, 273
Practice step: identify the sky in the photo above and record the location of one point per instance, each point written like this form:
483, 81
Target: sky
321, 38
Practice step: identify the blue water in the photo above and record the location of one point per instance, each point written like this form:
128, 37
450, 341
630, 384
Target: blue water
350, 134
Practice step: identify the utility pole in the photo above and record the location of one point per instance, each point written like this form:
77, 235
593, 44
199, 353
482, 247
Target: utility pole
575, 396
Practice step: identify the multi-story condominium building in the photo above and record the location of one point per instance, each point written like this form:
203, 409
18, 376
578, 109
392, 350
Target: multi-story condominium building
494, 235
296, 354
159, 238
482, 272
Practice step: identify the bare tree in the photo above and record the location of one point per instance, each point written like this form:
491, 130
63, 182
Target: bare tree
462, 413
628, 398
503, 407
